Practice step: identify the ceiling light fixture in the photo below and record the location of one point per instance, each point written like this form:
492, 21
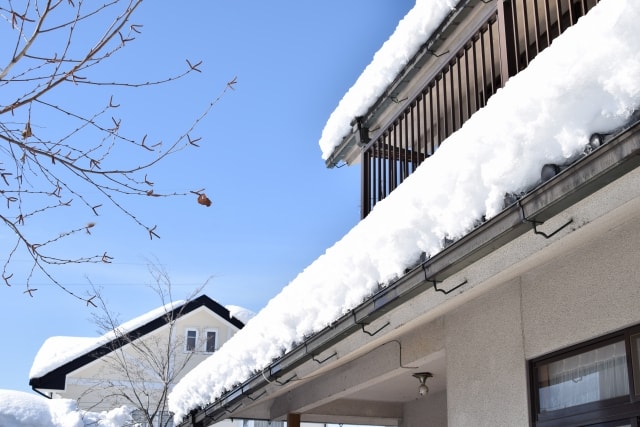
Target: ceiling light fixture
422, 377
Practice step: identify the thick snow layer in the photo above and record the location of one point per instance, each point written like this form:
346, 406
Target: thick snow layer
56, 351
587, 81
19, 409
412, 31
240, 313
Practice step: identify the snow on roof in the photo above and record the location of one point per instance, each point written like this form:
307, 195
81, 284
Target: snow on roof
411, 33
19, 409
240, 313
586, 82
56, 351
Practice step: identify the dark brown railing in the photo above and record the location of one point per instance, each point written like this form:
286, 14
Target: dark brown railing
503, 46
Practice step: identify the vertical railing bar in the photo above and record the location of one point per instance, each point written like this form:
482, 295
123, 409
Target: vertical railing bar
460, 106
570, 11
415, 123
495, 57
547, 18
536, 25
384, 179
402, 135
374, 175
483, 60
475, 77
439, 129
508, 50
397, 152
431, 121
559, 15
525, 33
425, 123
378, 172
492, 68
364, 184
451, 108
467, 82
391, 159
445, 107
405, 143
516, 39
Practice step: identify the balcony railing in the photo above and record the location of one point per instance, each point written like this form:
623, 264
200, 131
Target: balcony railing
503, 45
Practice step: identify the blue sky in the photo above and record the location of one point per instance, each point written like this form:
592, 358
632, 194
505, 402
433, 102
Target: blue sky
276, 208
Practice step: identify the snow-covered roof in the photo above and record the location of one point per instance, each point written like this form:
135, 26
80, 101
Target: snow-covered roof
57, 351
240, 313
586, 82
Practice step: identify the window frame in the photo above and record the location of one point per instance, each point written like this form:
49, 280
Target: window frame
186, 340
599, 412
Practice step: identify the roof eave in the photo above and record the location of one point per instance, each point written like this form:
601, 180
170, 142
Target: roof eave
618, 156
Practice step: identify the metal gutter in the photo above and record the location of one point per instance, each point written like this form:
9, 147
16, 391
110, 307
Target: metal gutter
584, 177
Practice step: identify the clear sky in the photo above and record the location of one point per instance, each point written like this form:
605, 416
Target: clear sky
276, 208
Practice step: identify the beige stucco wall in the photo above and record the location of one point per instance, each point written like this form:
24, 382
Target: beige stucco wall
486, 369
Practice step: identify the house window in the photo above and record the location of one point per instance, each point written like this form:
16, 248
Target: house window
210, 343
191, 340
589, 384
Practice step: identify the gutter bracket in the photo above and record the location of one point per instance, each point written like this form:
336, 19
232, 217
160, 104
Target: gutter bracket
535, 224
435, 282
291, 378
230, 411
320, 362
435, 286
362, 325
253, 399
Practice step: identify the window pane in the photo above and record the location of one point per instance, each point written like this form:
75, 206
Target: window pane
211, 342
191, 340
595, 375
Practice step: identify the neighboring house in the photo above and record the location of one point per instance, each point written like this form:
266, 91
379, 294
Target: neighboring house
141, 358
498, 283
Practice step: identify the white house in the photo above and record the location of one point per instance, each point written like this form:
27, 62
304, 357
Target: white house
494, 279
138, 362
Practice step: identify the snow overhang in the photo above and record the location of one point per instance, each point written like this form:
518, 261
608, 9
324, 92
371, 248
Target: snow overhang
405, 85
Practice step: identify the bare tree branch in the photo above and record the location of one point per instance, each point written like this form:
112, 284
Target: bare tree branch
140, 371
58, 156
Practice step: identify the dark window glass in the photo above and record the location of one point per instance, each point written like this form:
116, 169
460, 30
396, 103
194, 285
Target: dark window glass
211, 342
190, 344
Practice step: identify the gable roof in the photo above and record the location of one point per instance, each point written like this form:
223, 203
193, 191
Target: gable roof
50, 372
536, 119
